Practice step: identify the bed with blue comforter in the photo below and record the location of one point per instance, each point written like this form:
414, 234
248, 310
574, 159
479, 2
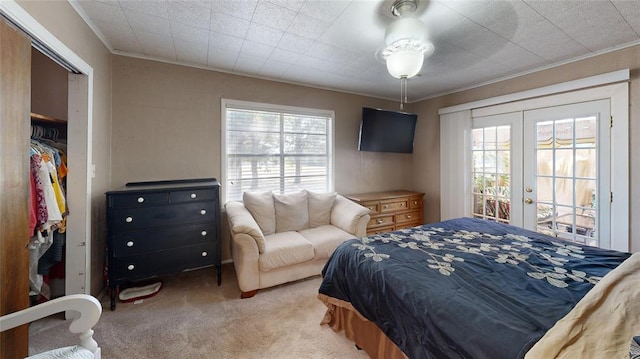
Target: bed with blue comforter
464, 288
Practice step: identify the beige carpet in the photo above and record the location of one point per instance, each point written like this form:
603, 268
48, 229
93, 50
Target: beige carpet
192, 317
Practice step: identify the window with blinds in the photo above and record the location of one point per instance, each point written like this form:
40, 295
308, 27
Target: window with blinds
276, 148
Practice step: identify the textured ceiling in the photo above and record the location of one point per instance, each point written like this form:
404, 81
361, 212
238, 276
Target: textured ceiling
335, 43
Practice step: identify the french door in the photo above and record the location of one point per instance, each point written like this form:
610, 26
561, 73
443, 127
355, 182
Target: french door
496, 173
567, 187
547, 170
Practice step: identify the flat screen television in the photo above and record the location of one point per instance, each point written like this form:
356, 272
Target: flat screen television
387, 131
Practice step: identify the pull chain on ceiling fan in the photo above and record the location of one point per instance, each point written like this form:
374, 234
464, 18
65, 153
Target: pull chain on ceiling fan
406, 44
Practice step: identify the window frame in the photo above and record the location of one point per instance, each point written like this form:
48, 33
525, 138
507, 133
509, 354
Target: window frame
281, 109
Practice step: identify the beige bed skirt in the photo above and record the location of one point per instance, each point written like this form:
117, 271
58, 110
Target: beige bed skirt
342, 315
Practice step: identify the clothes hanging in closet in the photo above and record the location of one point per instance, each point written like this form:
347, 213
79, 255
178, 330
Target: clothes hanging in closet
47, 207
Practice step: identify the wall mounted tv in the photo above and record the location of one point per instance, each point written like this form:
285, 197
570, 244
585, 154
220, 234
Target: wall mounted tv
387, 131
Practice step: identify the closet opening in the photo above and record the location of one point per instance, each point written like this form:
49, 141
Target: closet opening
59, 112
48, 182
61, 107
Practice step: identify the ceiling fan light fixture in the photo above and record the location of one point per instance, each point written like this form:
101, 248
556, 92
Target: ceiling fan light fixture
407, 45
405, 64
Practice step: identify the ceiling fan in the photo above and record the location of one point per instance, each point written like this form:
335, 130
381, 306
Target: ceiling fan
406, 44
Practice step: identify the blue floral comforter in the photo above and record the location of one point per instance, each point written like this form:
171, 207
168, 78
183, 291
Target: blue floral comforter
464, 288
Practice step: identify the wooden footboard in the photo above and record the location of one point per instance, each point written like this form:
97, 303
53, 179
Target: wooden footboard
342, 316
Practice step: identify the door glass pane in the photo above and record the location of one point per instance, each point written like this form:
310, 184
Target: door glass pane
564, 191
585, 163
491, 173
544, 134
564, 163
478, 161
544, 162
564, 133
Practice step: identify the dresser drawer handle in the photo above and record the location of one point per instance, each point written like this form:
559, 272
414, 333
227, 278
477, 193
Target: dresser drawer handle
402, 204
130, 267
130, 244
204, 254
203, 212
129, 219
140, 199
380, 221
408, 216
203, 233
386, 206
193, 195
415, 202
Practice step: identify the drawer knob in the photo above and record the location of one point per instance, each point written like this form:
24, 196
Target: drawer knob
193, 195
204, 254
380, 221
402, 204
140, 199
203, 212
415, 202
203, 233
408, 216
386, 206
131, 267
129, 219
130, 244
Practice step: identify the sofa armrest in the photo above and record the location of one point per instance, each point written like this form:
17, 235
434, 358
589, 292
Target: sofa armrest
242, 222
350, 216
244, 252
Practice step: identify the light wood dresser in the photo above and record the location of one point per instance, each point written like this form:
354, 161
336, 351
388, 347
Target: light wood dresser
391, 210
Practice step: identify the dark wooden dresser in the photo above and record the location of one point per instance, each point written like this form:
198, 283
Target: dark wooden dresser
391, 210
161, 228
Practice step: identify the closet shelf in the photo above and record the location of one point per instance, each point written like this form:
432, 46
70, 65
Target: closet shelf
45, 118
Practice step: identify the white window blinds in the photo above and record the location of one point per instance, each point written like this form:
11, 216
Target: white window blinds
276, 148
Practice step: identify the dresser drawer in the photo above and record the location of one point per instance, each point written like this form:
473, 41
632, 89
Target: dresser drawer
415, 202
138, 200
164, 262
394, 205
374, 207
193, 195
380, 221
407, 217
131, 243
127, 219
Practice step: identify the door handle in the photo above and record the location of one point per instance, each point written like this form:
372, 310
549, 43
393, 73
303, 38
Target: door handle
528, 200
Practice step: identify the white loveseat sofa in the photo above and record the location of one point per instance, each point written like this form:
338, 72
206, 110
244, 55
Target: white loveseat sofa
282, 238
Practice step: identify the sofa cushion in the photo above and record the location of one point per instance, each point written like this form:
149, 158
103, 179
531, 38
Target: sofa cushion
325, 239
320, 205
260, 205
284, 249
292, 212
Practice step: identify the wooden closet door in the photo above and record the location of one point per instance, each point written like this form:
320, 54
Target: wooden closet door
15, 104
